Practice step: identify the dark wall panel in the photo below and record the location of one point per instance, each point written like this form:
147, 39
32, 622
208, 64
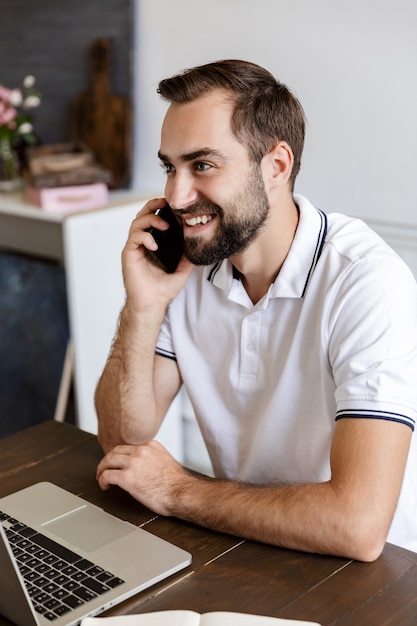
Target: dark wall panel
50, 39
33, 339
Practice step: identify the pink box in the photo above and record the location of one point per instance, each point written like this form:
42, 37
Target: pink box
69, 199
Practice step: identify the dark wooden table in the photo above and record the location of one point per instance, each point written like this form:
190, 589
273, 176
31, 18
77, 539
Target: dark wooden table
227, 573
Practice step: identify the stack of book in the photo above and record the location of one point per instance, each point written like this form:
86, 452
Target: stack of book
65, 178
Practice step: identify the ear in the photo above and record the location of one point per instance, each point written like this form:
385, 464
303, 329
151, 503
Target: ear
279, 163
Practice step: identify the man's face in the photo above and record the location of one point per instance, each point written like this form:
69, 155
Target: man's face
214, 189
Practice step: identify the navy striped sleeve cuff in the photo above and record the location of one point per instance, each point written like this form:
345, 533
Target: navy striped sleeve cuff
380, 415
166, 353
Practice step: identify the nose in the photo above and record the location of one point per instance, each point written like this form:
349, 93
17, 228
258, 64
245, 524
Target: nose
180, 190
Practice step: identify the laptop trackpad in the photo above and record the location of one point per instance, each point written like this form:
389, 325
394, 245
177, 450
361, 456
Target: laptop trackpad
88, 528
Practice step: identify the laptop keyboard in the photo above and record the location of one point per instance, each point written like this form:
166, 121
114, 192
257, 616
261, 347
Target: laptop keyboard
56, 578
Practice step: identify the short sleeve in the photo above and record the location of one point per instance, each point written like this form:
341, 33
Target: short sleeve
373, 345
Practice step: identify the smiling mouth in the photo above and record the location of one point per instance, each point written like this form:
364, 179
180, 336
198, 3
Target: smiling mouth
197, 220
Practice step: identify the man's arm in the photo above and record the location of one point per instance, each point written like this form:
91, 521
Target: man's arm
128, 409
350, 515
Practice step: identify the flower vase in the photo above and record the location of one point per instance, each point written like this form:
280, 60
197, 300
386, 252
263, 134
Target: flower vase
9, 165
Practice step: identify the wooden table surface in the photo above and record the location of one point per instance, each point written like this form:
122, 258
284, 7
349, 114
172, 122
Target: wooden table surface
227, 573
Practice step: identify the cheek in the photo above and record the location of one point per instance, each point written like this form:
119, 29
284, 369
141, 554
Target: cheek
218, 187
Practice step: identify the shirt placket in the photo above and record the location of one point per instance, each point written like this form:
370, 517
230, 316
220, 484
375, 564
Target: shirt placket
250, 344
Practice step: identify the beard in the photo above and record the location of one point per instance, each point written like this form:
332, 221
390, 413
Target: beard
240, 221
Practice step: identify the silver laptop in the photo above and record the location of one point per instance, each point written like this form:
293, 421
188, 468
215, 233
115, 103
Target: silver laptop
62, 558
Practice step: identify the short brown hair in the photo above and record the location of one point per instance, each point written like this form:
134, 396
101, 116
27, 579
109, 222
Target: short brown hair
266, 111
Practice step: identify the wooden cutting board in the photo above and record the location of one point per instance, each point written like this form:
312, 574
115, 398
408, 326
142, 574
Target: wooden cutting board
102, 120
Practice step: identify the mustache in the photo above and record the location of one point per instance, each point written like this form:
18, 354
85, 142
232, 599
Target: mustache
204, 206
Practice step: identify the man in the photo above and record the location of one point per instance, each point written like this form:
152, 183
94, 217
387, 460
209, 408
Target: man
294, 334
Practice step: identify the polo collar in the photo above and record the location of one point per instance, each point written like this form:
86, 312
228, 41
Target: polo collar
302, 258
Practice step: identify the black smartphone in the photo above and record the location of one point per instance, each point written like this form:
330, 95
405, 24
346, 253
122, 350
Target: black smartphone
170, 242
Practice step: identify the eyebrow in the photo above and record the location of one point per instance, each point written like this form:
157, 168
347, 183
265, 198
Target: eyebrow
197, 154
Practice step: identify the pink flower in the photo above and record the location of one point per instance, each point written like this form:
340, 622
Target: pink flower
4, 93
7, 115
15, 123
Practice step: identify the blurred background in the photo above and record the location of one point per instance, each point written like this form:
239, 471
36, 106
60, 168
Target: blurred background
352, 65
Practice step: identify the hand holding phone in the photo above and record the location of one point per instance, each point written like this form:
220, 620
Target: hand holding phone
170, 242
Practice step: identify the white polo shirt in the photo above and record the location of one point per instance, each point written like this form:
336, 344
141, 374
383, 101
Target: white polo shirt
335, 336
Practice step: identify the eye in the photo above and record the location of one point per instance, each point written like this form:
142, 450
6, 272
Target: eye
167, 167
201, 166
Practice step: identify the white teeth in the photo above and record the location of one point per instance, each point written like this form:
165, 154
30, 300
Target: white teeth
199, 219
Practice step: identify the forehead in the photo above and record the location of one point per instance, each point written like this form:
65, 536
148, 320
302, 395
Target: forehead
204, 122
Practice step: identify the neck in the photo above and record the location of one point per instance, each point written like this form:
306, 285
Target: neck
260, 264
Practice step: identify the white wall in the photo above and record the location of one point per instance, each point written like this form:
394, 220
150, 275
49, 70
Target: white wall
352, 64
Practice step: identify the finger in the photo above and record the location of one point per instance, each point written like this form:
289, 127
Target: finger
139, 232
108, 478
110, 461
117, 458
151, 206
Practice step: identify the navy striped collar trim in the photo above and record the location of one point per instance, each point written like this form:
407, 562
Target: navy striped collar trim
222, 277
212, 273
319, 247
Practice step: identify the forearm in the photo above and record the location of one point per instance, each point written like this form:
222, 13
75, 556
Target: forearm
349, 515
125, 399
311, 517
